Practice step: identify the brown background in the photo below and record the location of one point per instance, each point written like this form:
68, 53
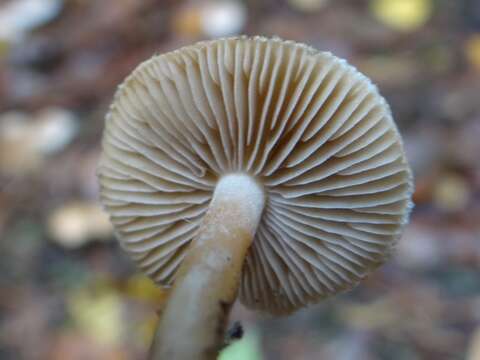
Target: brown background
68, 292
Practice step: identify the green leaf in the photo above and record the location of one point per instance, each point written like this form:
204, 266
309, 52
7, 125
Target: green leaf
248, 348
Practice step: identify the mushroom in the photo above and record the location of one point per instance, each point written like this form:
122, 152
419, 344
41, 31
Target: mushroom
254, 166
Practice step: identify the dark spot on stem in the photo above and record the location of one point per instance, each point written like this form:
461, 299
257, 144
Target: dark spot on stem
235, 332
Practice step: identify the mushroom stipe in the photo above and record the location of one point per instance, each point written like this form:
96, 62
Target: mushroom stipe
254, 167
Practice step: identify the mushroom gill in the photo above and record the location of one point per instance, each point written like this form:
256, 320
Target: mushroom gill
310, 129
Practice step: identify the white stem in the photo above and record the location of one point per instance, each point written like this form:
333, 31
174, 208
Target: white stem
193, 322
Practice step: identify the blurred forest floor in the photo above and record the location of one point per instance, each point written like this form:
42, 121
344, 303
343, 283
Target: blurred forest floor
66, 289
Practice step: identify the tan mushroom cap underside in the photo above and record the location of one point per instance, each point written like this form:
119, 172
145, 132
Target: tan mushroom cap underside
311, 128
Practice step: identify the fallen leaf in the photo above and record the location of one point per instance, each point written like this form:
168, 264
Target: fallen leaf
20, 16
246, 348
97, 314
403, 15
27, 139
472, 50
77, 223
142, 288
225, 18
451, 192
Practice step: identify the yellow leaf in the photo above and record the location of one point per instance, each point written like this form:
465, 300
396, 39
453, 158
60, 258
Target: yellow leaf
472, 50
403, 15
98, 315
451, 193
146, 330
142, 288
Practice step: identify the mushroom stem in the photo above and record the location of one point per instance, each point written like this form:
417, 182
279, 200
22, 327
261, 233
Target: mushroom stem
193, 322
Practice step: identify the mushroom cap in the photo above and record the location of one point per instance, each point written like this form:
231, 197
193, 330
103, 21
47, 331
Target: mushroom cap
307, 125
